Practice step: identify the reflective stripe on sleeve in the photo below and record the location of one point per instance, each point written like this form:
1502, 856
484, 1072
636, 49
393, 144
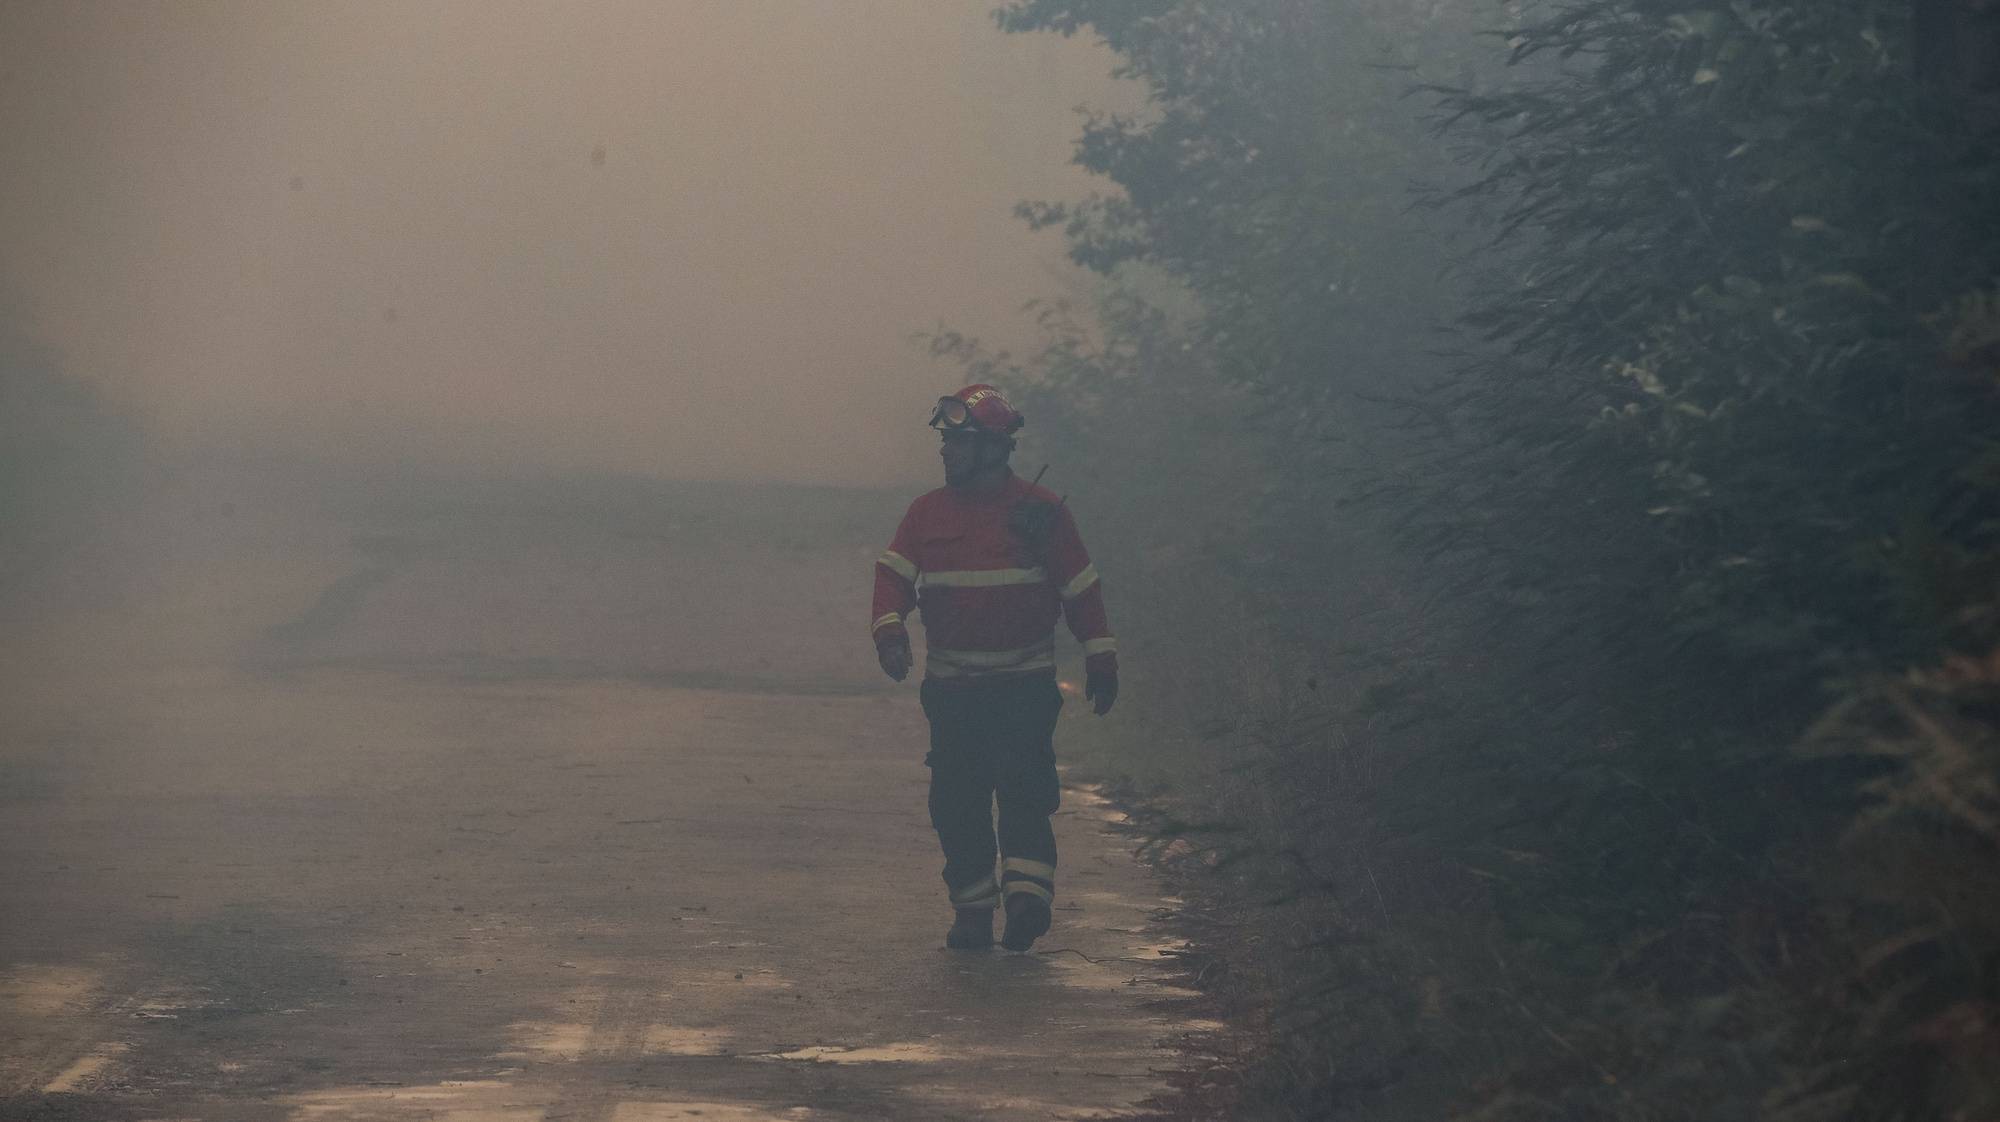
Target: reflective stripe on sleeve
1080, 583
892, 617
1106, 645
984, 578
898, 564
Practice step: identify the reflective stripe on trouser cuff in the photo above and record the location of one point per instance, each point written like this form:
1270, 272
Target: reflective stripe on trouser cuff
981, 894
1036, 878
962, 664
1026, 887
1106, 645
1041, 870
898, 564
892, 617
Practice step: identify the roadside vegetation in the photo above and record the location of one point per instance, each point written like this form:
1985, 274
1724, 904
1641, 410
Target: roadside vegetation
65, 459
1546, 463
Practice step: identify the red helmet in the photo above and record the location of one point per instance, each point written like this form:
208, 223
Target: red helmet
979, 407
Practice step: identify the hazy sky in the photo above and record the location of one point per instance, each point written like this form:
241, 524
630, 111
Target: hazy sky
687, 237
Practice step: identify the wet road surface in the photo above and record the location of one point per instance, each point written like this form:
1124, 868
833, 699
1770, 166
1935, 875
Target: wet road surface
345, 808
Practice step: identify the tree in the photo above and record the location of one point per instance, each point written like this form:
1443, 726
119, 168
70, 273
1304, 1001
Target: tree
1719, 450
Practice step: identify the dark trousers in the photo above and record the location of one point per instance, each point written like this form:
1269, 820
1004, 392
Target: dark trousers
994, 738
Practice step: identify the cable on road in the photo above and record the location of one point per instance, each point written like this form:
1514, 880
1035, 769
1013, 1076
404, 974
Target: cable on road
1097, 961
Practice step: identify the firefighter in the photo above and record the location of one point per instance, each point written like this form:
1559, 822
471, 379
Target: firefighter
990, 560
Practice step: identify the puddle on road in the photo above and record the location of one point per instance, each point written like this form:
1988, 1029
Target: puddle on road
499, 1101
1094, 804
879, 1054
976, 1102
546, 1040
52, 1018
46, 991
92, 1064
613, 1027
703, 1112
450, 1101
672, 1040
1109, 900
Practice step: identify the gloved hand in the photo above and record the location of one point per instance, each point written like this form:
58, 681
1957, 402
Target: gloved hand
1101, 690
894, 655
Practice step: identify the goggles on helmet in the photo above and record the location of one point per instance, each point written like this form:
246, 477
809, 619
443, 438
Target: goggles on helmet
951, 414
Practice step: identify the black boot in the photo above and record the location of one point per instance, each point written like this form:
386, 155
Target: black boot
1027, 921
972, 930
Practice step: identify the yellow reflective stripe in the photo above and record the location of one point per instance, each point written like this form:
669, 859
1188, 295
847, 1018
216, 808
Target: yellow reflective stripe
1030, 888
892, 617
985, 892
1080, 583
936, 669
954, 664
947, 671
1032, 868
898, 564
1100, 646
985, 578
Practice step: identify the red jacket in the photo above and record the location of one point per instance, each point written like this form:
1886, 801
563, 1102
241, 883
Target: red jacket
989, 605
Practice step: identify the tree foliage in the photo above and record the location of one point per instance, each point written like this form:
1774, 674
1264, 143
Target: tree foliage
1655, 604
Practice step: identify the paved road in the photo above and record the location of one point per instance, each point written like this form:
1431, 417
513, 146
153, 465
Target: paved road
458, 802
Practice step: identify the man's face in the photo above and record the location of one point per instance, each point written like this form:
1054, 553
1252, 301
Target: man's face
960, 452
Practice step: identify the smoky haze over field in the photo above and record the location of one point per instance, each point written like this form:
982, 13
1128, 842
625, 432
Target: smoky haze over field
685, 240
443, 450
